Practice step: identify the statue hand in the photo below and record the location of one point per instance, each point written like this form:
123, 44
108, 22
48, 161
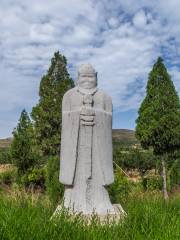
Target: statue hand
87, 123
87, 120
87, 111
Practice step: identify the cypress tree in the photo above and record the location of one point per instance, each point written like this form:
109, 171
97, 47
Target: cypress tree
47, 113
158, 123
23, 150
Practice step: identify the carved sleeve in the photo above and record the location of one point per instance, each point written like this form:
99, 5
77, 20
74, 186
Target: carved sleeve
108, 104
66, 103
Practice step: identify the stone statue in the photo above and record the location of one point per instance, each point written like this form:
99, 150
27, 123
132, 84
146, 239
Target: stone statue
86, 165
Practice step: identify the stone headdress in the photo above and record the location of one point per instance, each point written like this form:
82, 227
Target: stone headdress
87, 68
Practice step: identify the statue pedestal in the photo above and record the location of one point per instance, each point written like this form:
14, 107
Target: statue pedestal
103, 219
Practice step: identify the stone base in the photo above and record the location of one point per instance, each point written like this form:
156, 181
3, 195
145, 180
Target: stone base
103, 219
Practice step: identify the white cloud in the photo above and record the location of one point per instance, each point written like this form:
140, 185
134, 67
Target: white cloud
121, 38
113, 22
140, 19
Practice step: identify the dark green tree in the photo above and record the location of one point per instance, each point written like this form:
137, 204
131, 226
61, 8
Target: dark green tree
158, 123
47, 113
47, 120
23, 147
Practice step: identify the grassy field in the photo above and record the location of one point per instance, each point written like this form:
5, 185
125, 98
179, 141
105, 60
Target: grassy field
27, 216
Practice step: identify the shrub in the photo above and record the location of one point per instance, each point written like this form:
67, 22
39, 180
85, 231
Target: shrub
8, 177
152, 182
34, 177
5, 156
121, 187
54, 188
174, 174
135, 158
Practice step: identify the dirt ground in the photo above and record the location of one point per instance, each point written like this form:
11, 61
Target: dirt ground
6, 167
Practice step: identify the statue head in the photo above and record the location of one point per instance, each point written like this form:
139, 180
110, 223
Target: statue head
87, 77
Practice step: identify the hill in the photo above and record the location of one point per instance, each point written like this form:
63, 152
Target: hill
5, 143
119, 135
124, 135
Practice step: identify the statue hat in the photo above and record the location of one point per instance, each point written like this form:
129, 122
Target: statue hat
86, 68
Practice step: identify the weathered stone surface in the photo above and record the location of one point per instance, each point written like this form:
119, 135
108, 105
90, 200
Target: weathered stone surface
86, 165
118, 215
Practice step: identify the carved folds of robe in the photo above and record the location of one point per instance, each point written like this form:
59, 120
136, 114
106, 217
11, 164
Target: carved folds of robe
86, 165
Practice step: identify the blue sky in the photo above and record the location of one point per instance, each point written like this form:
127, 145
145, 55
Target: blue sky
122, 39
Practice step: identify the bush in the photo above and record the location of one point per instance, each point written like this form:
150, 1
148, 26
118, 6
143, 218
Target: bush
152, 182
174, 174
8, 177
135, 158
121, 187
34, 177
54, 188
5, 156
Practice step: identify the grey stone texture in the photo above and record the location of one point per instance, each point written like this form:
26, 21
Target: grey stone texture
86, 165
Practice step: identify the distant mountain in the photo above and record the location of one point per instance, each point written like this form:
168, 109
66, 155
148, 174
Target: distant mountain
124, 135
119, 135
5, 143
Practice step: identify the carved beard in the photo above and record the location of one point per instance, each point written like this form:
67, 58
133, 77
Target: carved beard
83, 91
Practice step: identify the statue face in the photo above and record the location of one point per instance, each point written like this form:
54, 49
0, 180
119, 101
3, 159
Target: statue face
87, 80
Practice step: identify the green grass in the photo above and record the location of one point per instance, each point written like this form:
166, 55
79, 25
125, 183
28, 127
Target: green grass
148, 217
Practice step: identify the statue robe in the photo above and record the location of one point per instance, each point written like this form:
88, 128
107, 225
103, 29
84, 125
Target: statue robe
84, 179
